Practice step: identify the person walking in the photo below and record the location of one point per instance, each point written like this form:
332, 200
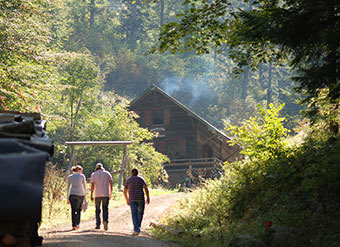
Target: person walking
76, 192
134, 194
101, 185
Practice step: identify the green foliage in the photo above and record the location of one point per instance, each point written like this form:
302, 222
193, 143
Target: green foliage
297, 190
148, 162
304, 32
58, 54
80, 78
116, 36
24, 57
62, 55
261, 137
99, 116
119, 34
119, 124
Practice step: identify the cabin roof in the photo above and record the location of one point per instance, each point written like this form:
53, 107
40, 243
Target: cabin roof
190, 112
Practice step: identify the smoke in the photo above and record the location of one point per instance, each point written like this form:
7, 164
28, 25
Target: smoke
171, 85
187, 90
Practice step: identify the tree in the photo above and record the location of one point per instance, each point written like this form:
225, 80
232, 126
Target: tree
75, 99
26, 63
107, 119
304, 32
262, 137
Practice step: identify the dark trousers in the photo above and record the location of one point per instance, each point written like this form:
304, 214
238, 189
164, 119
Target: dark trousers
76, 202
105, 205
137, 211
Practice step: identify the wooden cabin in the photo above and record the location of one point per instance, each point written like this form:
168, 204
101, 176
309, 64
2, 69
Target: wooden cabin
191, 143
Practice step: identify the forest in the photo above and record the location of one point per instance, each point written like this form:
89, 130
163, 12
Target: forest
77, 60
264, 71
81, 62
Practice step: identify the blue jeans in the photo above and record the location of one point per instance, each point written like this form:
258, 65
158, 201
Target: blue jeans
76, 202
105, 204
137, 211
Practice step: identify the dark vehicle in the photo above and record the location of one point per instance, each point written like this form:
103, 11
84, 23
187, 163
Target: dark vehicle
24, 150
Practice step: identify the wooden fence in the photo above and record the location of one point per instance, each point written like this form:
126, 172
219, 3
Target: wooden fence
179, 169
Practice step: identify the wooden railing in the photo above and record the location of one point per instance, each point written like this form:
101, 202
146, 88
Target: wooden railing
183, 165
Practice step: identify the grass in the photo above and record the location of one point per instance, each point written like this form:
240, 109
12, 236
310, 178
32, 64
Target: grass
161, 191
61, 213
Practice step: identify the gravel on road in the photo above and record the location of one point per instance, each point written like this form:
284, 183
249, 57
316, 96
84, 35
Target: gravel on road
120, 228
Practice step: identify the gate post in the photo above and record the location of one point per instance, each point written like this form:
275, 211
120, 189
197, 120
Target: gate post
71, 160
190, 169
122, 168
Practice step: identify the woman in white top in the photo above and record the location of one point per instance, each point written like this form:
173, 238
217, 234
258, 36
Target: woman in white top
76, 192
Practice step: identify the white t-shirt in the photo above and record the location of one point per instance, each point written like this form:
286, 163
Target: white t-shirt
101, 180
76, 185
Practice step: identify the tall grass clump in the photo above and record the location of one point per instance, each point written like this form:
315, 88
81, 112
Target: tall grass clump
294, 185
54, 188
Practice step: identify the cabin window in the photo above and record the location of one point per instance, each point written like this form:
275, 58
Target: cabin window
158, 117
173, 149
207, 152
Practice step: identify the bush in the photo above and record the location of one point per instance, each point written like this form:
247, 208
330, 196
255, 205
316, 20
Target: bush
54, 187
294, 186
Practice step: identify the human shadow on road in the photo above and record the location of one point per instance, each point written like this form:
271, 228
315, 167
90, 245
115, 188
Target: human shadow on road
102, 239
104, 232
60, 231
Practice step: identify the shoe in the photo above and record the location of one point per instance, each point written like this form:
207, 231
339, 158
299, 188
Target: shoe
74, 228
77, 227
106, 225
97, 227
135, 233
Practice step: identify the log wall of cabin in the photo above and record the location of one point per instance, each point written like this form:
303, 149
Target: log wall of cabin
192, 134
206, 138
178, 125
221, 149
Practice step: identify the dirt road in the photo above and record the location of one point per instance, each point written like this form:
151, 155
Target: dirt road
120, 229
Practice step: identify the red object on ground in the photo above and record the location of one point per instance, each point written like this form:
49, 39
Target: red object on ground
268, 224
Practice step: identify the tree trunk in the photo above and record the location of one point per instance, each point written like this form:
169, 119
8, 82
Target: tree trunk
261, 76
246, 70
269, 89
333, 56
133, 29
245, 84
282, 97
92, 13
162, 12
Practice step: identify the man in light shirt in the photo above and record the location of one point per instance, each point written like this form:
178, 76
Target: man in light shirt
101, 185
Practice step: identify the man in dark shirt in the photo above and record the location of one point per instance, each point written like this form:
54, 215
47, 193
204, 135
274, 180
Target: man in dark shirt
134, 194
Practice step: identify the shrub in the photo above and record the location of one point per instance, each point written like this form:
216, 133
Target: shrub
54, 186
293, 186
